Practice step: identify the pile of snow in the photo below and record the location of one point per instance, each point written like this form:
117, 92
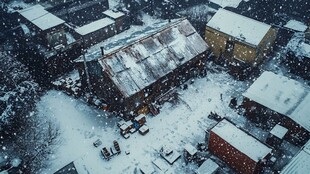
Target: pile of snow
70, 83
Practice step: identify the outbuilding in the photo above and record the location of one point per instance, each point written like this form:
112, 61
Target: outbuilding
121, 19
96, 31
276, 136
239, 40
273, 99
298, 56
48, 28
237, 149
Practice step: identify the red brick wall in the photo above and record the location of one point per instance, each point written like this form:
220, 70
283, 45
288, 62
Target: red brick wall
234, 158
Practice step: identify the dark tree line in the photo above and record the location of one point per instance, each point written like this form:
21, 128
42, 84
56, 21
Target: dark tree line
24, 134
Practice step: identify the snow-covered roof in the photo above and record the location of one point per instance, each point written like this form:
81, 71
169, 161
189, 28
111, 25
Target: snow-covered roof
139, 117
301, 112
208, 167
279, 131
296, 25
113, 14
241, 140
283, 95
306, 147
299, 164
136, 66
94, 26
227, 3
238, 26
304, 50
190, 149
40, 17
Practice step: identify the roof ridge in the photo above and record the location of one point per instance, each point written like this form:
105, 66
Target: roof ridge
142, 38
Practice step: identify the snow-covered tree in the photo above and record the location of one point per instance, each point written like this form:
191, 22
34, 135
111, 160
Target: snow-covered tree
18, 91
24, 135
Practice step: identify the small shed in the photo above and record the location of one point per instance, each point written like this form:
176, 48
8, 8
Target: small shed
190, 152
169, 154
276, 136
141, 120
236, 148
121, 20
144, 130
96, 31
126, 127
231, 38
208, 167
275, 98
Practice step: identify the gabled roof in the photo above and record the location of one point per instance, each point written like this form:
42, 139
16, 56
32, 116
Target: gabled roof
40, 17
283, 95
94, 26
136, 66
241, 141
243, 28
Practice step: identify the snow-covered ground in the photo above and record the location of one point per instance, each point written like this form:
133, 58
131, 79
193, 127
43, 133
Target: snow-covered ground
176, 125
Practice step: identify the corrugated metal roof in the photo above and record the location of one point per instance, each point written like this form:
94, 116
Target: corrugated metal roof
299, 164
138, 65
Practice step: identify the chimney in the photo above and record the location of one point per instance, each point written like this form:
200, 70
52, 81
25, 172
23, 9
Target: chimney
102, 51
